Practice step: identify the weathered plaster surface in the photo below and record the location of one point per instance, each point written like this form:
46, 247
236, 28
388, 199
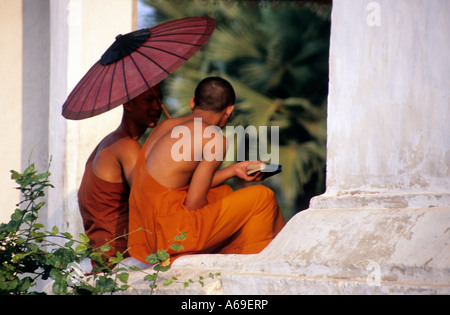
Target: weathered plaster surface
389, 98
333, 252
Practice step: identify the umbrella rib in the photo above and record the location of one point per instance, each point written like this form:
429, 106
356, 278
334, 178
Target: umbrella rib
181, 26
110, 87
167, 52
98, 91
139, 70
164, 35
153, 61
89, 92
74, 94
125, 79
176, 42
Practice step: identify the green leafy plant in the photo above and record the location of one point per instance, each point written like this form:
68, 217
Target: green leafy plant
29, 253
161, 262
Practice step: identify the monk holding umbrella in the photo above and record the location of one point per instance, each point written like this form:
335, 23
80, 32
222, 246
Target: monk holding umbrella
128, 73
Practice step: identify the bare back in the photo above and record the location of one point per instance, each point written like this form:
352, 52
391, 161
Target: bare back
161, 160
160, 164
115, 157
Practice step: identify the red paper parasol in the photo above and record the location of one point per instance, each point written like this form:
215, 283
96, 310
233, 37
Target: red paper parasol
136, 62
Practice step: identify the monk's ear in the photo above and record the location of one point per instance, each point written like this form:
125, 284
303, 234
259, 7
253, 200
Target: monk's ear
229, 110
192, 103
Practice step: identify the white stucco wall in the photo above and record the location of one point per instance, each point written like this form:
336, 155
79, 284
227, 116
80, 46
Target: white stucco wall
87, 29
11, 98
389, 100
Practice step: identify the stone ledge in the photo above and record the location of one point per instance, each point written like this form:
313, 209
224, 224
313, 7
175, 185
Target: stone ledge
380, 200
390, 251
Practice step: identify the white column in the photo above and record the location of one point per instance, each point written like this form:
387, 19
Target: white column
81, 31
388, 106
47, 46
10, 103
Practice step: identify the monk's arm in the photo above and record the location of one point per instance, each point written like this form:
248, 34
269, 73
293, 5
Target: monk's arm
222, 175
235, 170
127, 157
203, 176
200, 184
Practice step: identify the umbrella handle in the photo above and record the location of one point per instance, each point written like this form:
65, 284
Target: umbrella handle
165, 111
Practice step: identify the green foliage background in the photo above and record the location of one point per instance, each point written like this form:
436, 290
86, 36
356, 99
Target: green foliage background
277, 60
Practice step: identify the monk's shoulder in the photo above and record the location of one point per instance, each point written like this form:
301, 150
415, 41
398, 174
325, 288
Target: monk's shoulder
127, 143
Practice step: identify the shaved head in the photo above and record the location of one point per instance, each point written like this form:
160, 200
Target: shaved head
214, 94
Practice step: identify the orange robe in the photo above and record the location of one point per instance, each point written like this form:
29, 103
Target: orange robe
239, 222
104, 209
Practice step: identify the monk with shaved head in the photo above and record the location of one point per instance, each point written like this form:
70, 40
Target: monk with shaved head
105, 188
178, 186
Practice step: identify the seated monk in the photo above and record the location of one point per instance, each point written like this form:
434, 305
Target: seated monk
172, 195
104, 191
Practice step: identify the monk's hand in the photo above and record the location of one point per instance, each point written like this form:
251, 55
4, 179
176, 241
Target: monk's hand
240, 170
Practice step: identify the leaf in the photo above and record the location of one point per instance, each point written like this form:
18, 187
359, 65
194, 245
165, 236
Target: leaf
25, 284
123, 277
81, 248
162, 255
150, 277
105, 248
152, 259
176, 247
167, 282
84, 238
39, 206
134, 268
38, 226
180, 237
29, 170
117, 259
12, 285
55, 230
211, 275
158, 267
38, 236
97, 257
59, 287
105, 284
15, 175
67, 235
69, 243
17, 215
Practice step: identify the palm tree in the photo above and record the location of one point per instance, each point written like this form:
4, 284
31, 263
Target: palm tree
277, 61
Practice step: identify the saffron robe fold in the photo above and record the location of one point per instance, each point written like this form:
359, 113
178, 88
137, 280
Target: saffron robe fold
239, 222
104, 209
